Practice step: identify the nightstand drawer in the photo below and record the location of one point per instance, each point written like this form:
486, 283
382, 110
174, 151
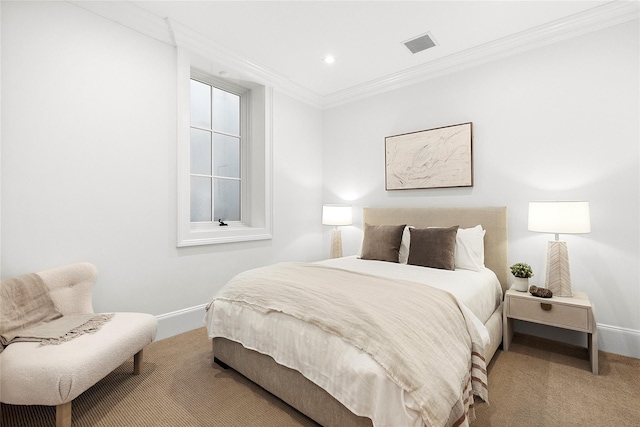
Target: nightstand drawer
565, 316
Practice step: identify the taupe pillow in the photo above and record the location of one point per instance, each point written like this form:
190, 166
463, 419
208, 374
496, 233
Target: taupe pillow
382, 242
433, 247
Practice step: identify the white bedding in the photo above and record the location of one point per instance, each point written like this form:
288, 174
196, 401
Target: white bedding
347, 373
480, 290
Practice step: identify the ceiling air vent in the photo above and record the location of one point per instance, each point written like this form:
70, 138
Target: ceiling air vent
420, 43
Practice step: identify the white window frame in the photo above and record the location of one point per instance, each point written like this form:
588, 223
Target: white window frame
256, 161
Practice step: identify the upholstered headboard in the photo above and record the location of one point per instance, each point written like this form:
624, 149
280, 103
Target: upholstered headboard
492, 219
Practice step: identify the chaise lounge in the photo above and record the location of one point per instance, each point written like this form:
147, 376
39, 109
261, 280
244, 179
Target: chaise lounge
35, 374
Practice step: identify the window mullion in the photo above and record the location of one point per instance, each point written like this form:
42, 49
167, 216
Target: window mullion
229, 178
226, 134
213, 156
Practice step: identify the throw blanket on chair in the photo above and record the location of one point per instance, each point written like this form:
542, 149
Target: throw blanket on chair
417, 333
27, 313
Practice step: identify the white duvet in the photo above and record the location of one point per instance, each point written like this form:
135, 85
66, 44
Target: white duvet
347, 373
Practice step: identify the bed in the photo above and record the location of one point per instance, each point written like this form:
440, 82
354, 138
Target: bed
336, 381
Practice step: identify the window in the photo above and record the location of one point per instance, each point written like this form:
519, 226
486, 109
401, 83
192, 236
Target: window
216, 140
224, 157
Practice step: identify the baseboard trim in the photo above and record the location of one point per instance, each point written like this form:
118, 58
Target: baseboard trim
614, 339
180, 321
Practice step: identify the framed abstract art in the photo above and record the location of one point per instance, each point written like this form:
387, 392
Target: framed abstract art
433, 158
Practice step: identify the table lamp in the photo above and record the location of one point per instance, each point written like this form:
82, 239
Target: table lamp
559, 217
336, 215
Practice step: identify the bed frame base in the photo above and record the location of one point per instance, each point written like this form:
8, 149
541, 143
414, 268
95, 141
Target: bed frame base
286, 384
220, 363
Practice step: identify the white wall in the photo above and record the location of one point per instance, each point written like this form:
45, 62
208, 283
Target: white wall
558, 122
89, 166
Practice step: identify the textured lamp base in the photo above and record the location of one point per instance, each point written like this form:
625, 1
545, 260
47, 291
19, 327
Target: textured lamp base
558, 278
336, 244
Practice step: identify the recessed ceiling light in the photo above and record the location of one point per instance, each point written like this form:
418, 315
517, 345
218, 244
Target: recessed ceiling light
329, 59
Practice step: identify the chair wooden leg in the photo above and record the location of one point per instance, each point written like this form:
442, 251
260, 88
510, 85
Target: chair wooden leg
63, 415
137, 362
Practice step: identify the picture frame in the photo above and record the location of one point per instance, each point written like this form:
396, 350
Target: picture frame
434, 158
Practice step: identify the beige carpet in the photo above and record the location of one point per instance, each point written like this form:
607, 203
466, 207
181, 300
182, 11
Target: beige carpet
538, 383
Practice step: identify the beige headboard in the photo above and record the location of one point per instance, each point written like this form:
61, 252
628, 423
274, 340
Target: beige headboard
492, 219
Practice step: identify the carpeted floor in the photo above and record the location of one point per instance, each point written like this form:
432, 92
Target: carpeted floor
537, 383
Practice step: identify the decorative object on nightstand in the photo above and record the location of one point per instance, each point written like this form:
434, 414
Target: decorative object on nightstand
522, 272
540, 292
559, 217
336, 215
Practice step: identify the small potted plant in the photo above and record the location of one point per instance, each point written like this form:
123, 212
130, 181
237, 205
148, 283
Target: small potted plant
522, 272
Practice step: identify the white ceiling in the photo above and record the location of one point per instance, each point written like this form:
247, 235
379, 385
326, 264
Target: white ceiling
292, 37
283, 43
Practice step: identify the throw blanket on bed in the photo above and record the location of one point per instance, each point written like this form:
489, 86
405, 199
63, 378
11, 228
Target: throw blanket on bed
417, 333
27, 313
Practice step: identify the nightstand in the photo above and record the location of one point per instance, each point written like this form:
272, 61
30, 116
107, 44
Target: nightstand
575, 313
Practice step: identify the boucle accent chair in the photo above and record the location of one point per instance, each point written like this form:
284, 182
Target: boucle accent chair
34, 374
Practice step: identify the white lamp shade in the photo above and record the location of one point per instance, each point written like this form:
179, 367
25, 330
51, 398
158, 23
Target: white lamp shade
336, 215
559, 217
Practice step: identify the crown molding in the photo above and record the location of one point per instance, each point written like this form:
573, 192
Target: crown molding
242, 67
130, 16
607, 15
176, 34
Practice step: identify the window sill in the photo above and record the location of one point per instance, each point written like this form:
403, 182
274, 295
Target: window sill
218, 235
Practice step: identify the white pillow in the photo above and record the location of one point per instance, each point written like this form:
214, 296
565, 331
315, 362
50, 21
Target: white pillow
469, 254
403, 257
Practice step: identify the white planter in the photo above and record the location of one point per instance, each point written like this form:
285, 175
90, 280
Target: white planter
521, 284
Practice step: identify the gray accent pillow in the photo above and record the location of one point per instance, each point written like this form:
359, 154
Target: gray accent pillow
433, 247
382, 242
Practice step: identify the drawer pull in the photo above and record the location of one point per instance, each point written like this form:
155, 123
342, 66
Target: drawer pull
546, 307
